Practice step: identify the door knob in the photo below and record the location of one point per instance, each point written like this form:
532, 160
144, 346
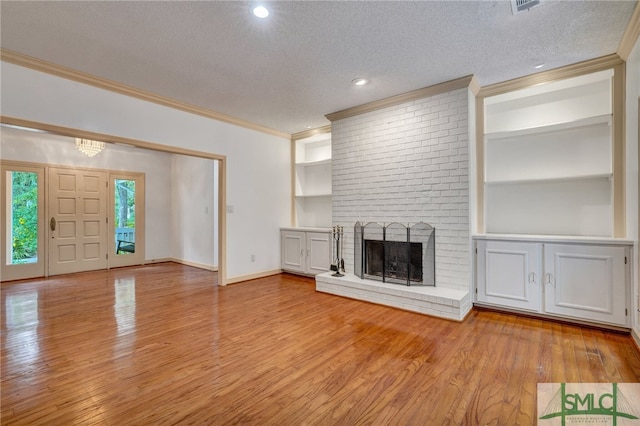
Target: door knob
52, 224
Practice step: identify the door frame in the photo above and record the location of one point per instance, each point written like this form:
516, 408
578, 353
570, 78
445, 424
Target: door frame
222, 171
115, 260
28, 270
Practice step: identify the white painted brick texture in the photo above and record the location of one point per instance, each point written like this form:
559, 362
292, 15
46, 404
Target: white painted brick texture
408, 163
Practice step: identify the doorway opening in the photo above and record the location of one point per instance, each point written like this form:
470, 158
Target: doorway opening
49, 150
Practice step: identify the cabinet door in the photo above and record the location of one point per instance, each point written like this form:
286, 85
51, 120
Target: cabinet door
293, 248
318, 252
509, 274
586, 282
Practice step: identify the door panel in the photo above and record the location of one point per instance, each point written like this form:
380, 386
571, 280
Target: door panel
318, 252
78, 220
293, 245
508, 274
586, 282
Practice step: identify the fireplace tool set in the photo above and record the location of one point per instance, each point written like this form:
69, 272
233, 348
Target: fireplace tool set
338, 265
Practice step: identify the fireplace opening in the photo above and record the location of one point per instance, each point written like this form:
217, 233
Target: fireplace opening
393, 259
395, 253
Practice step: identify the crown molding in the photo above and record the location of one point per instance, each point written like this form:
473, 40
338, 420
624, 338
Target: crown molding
425, 92
308, 133
474, 85
631, 35
25, 61
573, 70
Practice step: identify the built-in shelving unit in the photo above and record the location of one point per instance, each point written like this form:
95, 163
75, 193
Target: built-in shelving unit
551, 199
312, 180
548, 158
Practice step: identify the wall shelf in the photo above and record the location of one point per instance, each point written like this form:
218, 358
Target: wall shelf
314, 163
559, 179
605, 119
313, 195
563, 101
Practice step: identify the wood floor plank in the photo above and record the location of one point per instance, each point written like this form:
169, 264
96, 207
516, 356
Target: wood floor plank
162, 344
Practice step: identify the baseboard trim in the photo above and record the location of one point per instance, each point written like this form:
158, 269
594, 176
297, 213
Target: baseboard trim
241, 278
159, 260
635, 336
195, 264
553, 318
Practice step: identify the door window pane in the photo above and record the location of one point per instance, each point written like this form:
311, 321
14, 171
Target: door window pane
125, 216
22, 217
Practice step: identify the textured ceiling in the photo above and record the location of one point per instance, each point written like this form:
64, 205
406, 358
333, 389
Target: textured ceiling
288, 71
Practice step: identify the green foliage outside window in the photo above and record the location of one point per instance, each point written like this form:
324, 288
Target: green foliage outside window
25, 216
125, 200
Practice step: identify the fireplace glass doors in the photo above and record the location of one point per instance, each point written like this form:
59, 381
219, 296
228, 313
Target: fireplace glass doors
395, 253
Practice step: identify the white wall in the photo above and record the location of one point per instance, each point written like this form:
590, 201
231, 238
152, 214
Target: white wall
258, 165
22, 145
632, 142
194, 206
408, 163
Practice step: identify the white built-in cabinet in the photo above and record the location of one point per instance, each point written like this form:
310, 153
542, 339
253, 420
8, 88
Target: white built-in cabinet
305, 251
306, 248
585, 281
312, 177
551, 199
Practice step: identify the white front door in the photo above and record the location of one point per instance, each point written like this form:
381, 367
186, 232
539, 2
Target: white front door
77, 220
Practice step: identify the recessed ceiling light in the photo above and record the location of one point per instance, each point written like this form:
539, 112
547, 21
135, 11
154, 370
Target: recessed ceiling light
538, 66
359, 81
261, 11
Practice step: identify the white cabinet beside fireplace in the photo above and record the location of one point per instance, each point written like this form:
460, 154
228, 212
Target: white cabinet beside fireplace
582, 281
508, 274
305, 251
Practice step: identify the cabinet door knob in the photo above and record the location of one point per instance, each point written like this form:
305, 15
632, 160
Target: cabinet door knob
532, 277
548, 278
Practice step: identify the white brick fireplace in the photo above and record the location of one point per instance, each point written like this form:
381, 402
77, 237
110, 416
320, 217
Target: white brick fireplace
407, 163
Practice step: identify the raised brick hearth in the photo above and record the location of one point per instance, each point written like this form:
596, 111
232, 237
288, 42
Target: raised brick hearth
437, 301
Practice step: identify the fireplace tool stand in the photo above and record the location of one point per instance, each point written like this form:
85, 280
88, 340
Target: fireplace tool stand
338, 266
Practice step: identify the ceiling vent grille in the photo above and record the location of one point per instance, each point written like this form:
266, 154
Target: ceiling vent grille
519, 6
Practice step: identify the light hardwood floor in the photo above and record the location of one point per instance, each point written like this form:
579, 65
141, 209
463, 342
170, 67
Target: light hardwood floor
163, 344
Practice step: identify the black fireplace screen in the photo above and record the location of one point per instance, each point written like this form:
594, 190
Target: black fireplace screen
395, 253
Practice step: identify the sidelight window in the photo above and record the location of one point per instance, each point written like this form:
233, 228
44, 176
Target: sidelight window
125, 216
